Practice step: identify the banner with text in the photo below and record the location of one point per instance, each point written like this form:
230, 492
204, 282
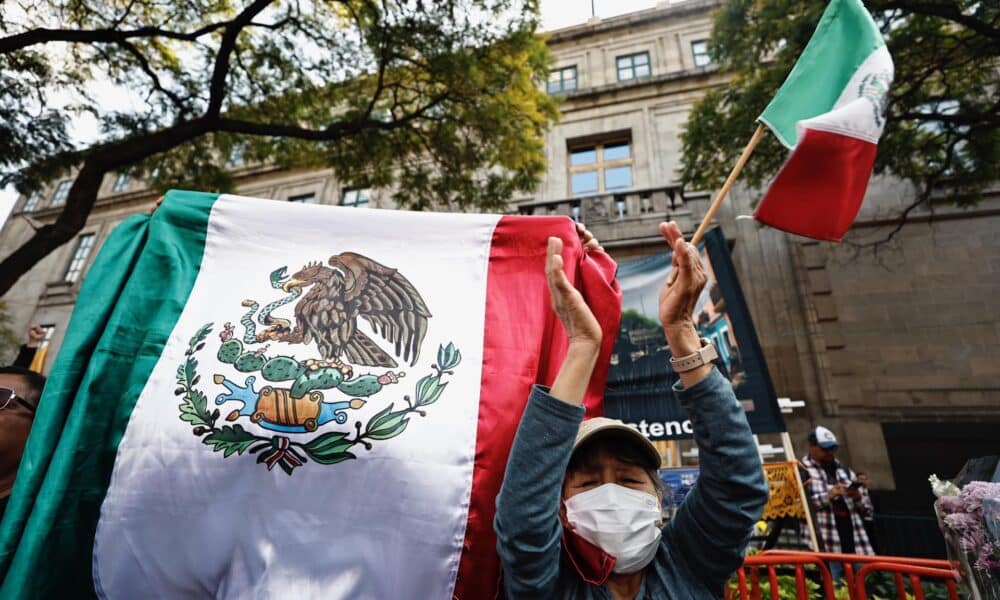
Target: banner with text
639, 381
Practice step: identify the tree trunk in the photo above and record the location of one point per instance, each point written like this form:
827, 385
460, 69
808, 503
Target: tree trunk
47, 238
83, 193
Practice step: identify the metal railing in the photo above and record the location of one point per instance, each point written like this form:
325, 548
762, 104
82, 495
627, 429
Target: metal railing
748, 583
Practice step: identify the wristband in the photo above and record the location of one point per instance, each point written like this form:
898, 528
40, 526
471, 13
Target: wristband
704, 356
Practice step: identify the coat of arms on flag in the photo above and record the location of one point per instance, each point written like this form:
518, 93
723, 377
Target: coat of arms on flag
289, 395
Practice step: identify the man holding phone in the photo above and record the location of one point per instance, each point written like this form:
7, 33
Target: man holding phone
835, 494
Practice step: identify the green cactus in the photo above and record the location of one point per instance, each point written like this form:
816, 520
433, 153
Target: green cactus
286, 368
248, 362
320, 379
282, 368
230, 351
362, 386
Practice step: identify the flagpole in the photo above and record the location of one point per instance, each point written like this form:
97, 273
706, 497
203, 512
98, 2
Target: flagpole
757, 135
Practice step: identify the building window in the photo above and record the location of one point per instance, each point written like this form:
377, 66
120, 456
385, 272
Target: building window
354, 197
121, 182
597, 168
309, 198
699, 50
32, 202
75, 267
237, 155
562, 80
62, 190
633, 66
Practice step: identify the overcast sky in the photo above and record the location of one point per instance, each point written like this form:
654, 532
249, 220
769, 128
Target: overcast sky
556, 14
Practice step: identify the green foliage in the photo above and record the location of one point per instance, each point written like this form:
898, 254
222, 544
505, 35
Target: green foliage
440, 101
329, 448
387, 423
438, 98
194, 404
429, 389
633, 319
195, 343
448, 357
230, 440
879, 586
194, 409
882, 586
786, 587
943, 118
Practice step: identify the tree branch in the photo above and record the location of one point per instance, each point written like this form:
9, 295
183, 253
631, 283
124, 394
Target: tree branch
44, 35
121, 18
332, 133
108, 157
147, 69
948, 11
965, 117
217, 85
83, 193
924, 197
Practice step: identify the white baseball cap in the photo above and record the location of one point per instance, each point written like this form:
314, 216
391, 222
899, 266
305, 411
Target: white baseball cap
823, 437
600, 425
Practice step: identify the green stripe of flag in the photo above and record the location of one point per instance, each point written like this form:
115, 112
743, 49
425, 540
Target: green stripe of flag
126, 309
845, 36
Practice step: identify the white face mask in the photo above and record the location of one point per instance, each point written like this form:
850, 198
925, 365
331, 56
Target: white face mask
623, 522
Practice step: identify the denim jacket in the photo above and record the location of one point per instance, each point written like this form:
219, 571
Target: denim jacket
700, 547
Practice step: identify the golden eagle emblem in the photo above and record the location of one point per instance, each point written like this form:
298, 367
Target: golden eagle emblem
283, 398
351, 287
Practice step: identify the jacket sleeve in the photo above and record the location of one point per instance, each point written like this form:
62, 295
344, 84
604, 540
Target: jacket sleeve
24, 356
712, 527
819, 491
527, 523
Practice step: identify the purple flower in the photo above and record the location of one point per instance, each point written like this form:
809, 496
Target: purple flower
989, 559
972, 540
949, 504
960, 521
964, 520
975, 492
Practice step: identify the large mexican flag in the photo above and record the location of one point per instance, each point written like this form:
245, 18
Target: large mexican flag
263, 399
830, 113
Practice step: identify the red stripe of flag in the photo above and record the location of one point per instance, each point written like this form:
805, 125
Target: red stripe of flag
819, 190
524, 344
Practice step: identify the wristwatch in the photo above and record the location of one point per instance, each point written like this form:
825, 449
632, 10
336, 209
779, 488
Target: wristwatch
704, 356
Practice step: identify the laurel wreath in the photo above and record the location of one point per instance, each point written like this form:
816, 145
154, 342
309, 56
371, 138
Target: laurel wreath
328, 448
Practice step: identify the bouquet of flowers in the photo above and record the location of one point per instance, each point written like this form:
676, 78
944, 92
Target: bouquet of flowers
970, 521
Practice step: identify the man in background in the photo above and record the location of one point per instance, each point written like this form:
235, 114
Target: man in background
20, 389
835, 494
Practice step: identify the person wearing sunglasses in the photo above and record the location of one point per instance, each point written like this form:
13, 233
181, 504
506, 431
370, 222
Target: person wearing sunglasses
20, 390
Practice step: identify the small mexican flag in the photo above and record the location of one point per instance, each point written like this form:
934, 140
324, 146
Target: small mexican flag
257, 399
830, 113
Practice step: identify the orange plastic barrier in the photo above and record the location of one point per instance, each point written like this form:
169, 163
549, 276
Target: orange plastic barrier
915, 570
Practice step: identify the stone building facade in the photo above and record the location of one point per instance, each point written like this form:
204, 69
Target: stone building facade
897, 351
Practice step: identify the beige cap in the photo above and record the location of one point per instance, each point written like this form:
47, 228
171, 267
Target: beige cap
597, 425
